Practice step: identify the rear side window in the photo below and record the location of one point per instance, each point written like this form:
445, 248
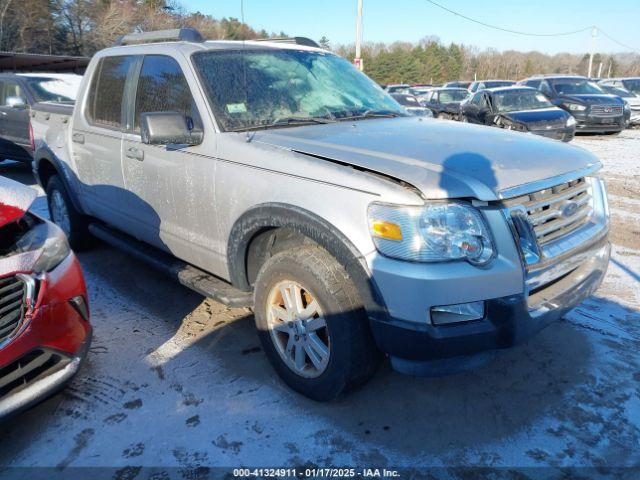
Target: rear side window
162, 87
107, 91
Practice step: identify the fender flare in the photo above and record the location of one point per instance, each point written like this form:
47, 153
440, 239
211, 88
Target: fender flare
45, 154
279, 215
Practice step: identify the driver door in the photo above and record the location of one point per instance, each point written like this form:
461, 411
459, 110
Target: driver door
170, 185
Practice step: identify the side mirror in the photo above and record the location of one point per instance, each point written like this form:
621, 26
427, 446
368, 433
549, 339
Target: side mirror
16, 102
167, 128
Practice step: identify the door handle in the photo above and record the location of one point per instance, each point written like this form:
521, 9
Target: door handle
77, 138
135, 153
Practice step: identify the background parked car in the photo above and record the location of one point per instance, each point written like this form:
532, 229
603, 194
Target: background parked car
398, 88
519, 108
593, 109
628, 83
18, 92
420, 91
44, 314
445, 102
482, 84
632, 114
412, 104
457, 84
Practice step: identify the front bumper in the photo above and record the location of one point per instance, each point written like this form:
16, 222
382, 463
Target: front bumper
50, 347
593, 124
508, 320
565, 134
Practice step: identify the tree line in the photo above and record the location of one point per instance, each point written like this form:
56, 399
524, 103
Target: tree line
429, 61
82, 27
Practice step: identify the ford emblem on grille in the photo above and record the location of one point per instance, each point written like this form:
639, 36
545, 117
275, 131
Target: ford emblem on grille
569, 209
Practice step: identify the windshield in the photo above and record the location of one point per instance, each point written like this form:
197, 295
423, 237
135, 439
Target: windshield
633, 85
575, 86
249, 89
617, 91
452, 96
54, 89
406, 100
515, 100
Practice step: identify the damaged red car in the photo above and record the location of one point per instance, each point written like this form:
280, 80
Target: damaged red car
44, 313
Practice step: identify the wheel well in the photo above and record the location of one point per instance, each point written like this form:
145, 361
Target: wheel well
46, 170
268, 242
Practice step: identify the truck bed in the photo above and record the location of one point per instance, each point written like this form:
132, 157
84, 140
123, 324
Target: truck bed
50, 122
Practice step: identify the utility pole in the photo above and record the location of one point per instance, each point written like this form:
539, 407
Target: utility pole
594, 34
358, 60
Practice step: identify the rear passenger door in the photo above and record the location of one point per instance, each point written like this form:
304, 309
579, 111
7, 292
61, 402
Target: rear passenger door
97, 140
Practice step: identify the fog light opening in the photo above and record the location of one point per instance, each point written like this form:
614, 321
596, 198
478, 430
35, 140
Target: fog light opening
457, 313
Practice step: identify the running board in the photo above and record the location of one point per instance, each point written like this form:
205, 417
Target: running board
191, 277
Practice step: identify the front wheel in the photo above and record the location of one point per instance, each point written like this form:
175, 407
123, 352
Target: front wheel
312, 325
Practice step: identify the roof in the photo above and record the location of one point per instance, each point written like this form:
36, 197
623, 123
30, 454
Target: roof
555, 75
187, 47
36, 62
508, 89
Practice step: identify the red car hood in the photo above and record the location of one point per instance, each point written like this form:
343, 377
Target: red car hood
15, 200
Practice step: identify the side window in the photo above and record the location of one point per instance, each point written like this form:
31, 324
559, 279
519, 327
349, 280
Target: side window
533, 83
545, 88
162, 87
104, 103
11, 89
478, 100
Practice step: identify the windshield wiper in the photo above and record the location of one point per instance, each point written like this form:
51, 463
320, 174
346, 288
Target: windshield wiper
284, 122
372, 114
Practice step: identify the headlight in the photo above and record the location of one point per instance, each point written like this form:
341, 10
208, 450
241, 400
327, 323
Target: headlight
571, 122
575, 107
50, 243
433, 233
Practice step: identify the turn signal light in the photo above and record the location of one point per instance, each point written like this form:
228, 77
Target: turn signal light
386, 230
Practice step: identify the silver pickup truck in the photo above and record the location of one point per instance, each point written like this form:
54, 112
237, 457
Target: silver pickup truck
276, 176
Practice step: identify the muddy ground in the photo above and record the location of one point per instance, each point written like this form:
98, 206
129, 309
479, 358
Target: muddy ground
179, 382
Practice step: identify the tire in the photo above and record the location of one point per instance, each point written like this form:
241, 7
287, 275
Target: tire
351, 355
64, 214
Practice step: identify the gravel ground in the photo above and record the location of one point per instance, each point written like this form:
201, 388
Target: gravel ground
179, 382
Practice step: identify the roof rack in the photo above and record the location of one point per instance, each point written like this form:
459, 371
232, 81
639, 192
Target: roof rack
307, 42
173, 35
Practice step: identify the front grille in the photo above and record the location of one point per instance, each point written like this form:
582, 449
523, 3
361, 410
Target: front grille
13, 296
606, 110
557, 211
29, 368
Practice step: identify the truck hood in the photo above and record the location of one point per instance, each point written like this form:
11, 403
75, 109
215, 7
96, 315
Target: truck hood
15, 200
442, 159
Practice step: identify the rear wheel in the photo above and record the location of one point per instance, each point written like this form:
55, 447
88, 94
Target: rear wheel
312, 325
64, 214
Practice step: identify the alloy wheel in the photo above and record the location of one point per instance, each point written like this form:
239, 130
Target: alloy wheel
298, 329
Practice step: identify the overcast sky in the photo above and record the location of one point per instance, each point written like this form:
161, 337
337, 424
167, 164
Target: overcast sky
411, 20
